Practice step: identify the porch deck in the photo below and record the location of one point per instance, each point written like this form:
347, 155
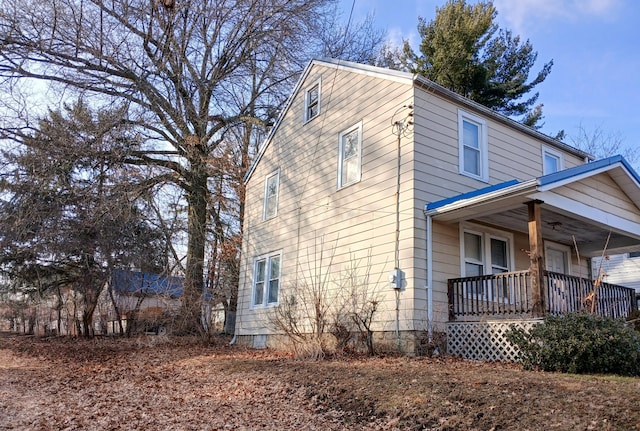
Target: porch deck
508, 295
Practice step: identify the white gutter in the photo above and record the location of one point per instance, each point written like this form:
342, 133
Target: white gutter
524, 187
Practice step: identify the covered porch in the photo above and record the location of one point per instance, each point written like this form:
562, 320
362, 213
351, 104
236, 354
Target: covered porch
568, 216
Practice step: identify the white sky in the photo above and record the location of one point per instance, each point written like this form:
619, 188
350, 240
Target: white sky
595, 79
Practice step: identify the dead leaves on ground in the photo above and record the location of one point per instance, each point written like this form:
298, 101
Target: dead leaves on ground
180, 384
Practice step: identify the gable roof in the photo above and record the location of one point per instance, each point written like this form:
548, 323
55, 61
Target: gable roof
409, 79
618, 168
364, 69
590, 226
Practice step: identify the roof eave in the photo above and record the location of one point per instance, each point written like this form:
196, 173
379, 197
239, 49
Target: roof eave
520, 188
432, 86
394, 75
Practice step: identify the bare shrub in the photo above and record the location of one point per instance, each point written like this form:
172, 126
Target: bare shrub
319, 320
431, 343
304, 315
356, 309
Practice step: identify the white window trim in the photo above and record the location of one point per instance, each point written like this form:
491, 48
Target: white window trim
265, 299
358, 127
306, 117
483, 145
561, 247
487, 233
463, 259
276, 174
555, 153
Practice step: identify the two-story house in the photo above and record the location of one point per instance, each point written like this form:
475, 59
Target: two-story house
464, 218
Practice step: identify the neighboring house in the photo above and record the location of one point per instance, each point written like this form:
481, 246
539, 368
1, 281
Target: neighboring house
463, 218
148, 298
152, 300
619, 269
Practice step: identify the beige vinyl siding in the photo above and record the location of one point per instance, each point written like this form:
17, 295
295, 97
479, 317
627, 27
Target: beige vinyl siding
446, 265
512, 155
359, 221
515, 155
356, 221
600, 191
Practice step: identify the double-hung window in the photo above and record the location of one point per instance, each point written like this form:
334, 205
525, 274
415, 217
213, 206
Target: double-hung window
473, 254
552, 161
312, 101
349, 155
266, 280
486, 251
473, 146
271, 185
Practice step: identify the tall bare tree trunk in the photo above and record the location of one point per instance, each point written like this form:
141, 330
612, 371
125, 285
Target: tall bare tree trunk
194, 276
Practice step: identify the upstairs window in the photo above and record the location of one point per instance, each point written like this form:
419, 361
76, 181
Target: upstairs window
266, 280
271, 185
552, 161
312, 102
349, 154
473, 146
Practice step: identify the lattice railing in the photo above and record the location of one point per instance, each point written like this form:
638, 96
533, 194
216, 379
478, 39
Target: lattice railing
484, 341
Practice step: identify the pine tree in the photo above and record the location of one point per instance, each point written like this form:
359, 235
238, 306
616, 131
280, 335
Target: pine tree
464, 50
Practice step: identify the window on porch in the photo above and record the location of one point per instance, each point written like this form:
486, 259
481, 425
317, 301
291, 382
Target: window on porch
486, 251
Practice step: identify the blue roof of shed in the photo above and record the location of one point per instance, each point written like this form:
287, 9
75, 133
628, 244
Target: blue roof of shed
125, 281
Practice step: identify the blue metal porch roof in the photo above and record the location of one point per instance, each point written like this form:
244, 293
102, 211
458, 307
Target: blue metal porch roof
545, 180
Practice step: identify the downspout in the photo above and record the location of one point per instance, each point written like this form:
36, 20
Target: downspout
429, 277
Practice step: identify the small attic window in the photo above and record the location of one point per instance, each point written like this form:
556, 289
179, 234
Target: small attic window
312, 101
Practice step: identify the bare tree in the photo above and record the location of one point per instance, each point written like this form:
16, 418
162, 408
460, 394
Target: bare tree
188, 71
602, 143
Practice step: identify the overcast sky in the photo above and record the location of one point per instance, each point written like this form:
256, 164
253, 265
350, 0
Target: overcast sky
594, 44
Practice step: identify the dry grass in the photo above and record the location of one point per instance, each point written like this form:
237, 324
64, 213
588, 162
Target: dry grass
178, 384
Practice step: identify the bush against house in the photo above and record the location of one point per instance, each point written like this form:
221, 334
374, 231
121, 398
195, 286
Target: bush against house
579, 343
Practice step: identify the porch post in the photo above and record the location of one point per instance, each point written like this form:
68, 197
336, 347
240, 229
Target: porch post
536, 254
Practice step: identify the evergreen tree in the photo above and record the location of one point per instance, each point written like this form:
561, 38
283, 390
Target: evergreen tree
463, 50
70, 211
193, 75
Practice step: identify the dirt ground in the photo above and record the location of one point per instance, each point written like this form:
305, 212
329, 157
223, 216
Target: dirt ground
160, 383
